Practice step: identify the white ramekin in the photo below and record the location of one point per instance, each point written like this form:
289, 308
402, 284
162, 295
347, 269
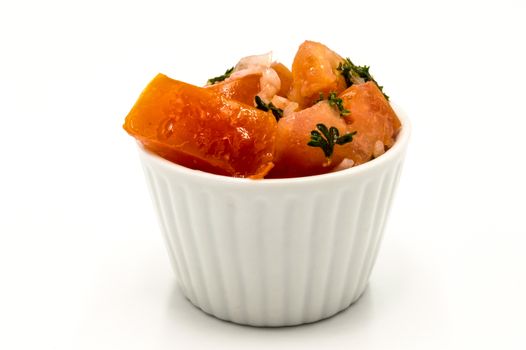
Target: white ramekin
274, 252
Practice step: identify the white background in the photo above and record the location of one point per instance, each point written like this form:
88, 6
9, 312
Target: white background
82, 261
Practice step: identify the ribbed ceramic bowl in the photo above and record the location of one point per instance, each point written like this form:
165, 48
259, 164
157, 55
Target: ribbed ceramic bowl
274, 252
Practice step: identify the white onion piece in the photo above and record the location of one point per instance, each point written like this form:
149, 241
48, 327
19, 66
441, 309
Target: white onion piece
264, 60
378, 149
345, 164
259, 64
269, 84
286, 105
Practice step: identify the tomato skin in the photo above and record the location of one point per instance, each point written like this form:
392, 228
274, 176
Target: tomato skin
183, 121
243, 90
372, 117
315, 71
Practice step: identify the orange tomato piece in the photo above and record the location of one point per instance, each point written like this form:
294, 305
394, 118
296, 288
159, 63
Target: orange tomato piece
372, 117
314, 71
199, 126
243, 89
285, 75
293, 157
181, 158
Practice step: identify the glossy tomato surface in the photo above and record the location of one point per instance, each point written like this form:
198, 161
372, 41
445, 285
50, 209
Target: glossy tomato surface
183, 121
242, 90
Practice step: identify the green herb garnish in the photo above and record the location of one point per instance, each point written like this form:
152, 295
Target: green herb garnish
328, 138
352, 73
228, 72
338, 102
335, 101
278, 112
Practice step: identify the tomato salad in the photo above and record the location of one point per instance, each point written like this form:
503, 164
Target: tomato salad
261, 120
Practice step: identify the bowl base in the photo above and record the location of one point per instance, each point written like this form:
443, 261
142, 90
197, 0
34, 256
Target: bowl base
280, 325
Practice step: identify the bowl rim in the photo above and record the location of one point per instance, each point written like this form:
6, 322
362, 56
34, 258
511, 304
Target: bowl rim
394, 152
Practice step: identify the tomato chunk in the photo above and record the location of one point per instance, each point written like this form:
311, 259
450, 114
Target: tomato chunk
372, 117
293, 156
179, 120
315, 71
